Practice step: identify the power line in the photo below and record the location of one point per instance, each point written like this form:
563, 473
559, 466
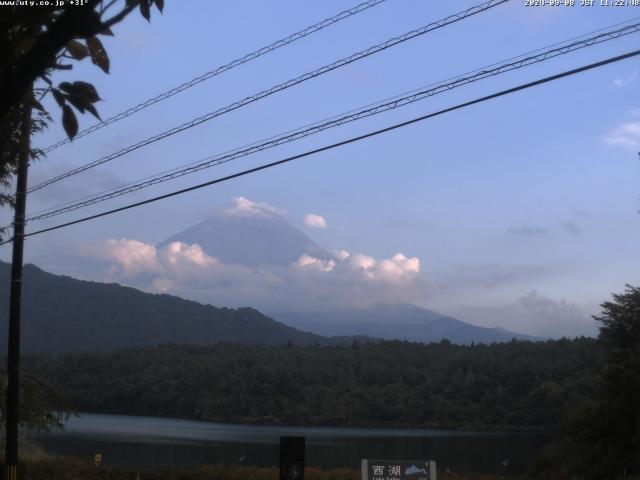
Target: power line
282, 86
343, 142
529, 53
396, 102
221, 69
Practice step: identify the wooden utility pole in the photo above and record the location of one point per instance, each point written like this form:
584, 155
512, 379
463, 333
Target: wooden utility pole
13, 355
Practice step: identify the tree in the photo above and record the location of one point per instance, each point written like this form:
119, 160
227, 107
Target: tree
618, 422
44, 406
35, 42
602, 438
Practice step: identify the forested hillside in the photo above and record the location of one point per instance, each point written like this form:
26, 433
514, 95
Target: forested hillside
516, 385
64, 314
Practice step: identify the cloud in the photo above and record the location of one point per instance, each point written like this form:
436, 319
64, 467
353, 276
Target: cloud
626, 136
465, 280
351, 279
315, 221
178, 253
128, 257
62, 192
545, 307
396, 270
341, 254
572, 228
629, 79
527, 231
308, 261
532, 313
243, 207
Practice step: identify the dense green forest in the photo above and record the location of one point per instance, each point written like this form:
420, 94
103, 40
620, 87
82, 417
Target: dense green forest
516, 385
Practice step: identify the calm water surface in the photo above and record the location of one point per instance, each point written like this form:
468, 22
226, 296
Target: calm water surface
163, 442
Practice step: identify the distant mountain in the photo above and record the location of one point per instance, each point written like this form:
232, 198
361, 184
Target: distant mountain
250, 240
61, 314
396, 322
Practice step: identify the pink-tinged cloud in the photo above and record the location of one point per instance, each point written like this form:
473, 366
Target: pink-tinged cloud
130, 256
185, 270
243, 207
315, 221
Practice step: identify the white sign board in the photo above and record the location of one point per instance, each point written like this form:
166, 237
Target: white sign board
398, 470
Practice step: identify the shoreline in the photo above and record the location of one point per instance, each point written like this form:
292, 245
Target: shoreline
404, 428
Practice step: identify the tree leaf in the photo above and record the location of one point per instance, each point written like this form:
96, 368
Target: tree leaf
69, 121
77, 50
160, 5
66, 87
86, 91
98, 54
144, 9
78, 103
58, 96
38, 106
106, 31
92, 110
88, 24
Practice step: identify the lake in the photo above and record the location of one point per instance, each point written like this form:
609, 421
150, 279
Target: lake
148, 442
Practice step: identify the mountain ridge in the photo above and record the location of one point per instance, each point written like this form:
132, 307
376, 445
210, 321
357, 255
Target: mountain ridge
60, 314
402, 321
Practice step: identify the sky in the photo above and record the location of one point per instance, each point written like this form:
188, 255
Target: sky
521, 212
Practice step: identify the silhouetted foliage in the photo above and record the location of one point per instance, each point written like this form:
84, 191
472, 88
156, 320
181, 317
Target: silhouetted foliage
602, 439
42, 405
517, 385
35, 42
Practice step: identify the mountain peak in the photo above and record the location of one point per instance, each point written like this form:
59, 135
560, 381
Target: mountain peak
250, 236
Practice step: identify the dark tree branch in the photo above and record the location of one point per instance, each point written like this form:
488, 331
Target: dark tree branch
118, 17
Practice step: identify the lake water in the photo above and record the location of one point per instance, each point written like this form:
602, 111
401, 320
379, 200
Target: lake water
148, 442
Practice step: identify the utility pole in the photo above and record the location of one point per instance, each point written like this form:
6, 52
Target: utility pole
13, 355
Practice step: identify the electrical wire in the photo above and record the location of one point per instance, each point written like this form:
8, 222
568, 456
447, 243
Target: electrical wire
221, 69
280, 87
531, 52
292, 135
459, 106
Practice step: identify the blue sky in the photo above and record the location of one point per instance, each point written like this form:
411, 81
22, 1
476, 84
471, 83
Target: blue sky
522, 211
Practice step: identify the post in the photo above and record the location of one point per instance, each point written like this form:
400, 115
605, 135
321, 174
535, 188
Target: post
13, 355
292, 458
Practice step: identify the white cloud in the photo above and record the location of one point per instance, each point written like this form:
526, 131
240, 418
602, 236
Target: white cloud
627, 80
399, 268
130, 256
177, 252
308, 261
315, 221
243, 207
361, 261
626, 135
350, 279
341, 254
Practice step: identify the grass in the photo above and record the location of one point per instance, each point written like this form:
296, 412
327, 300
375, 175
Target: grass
66, 468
